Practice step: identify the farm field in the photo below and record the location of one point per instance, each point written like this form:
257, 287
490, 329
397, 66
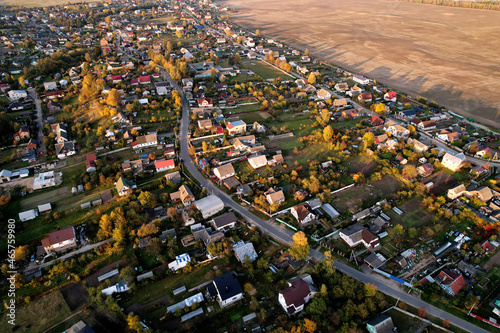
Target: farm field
438, 52
37, 3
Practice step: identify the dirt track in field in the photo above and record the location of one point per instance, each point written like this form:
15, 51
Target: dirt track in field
450, 55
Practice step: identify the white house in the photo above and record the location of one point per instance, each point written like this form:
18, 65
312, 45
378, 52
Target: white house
236, 127
361, 79
303, 213
14, 95
294, 298
257, 161
146, 141
226, 288
323, 94
180, 262
28, 215
358, 234
453, 162
224, 171
456, 192
164, 165
50, 85
398, 131
244, 251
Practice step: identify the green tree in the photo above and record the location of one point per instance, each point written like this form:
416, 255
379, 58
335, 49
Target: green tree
127, 275
399, 229
299, 247
370, 289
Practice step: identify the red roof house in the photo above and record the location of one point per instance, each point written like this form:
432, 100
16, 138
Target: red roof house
376, 121
391, 96
90, 158
164, 165
451, 281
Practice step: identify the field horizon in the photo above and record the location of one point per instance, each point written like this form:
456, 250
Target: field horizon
438, 52
38, 3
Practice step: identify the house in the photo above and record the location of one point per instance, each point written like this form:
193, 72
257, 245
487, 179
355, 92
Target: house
365, 97
484, 153
224, 171
428, 125
275, 197
278, 158
360, 79
257, 161
323, 94
209, 205
28, 215
418, 146
90, 162
408, 114
453, 162
65, 149
50, 85
205, 124
381, 138
357, 234
144, 79
124, 186
205, 102
451, 281
46, 179
61, 131
391, 96
341, 86
487, 246
380, 324
226, 288
23, 133
174, 177
376, 121
303, 214
236, 127
354, 91
184, 195
258, 128
425, 170
415, 121
244, 251
164, 165
162, 88
15, 95
339, 103
120, 118
54, 106
224, 221
398, 131
456, 192
299, 292
60, 240
180, 261
146, 141
55, 94
80, 327
483, 193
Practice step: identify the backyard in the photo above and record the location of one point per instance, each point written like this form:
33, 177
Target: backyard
264, 70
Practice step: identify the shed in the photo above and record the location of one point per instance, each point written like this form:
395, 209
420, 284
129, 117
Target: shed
45, 208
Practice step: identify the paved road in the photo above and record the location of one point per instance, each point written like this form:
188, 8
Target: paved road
83, 249
39, 119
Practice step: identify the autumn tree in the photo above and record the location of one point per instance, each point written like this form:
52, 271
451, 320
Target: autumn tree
134, 322
20, 253
422, 312
114, 98
368, 139
399, 229
306, 52
311, 78
146, 230
204, 146
309, 326
327, 133
127, 275
299, 247
378, 108
410, 171
370, 289
257, 33
147, 199
446, 323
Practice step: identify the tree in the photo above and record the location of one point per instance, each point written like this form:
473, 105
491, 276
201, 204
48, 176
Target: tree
411, 128
312, 78
146, 230
325, 117
379, 108
22, 82
20, 253
446, 323
328, 133
399, 229
422, 312
133, 322
299, 247
248, 288
306, 52
147, 199
410, 171
127, 274
170, 47
309, 326
257, 33
114, 98
412, 232
178, 34
368, 139
204, 146
370, 289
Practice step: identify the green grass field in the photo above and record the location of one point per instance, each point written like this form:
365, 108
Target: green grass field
264, 70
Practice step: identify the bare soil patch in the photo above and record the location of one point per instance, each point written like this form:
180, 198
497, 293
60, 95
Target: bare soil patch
441, 183
92, 279
361, 164
493, 262
75, 295
438, 52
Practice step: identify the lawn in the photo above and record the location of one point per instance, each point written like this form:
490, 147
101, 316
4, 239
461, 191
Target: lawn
251, 117
46, 197
314, 152
40, 314
164, 287
360, 163
264, 70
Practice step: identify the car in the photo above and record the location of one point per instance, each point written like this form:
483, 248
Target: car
32, 258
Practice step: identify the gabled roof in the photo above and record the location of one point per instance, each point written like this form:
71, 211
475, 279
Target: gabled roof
302, 211
165, 163
225, 170
224, 220
59, 236
295, 294
453, 279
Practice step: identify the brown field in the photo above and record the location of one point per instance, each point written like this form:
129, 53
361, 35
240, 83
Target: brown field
38, 3
446, 54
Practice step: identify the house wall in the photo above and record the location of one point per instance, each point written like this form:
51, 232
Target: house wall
230, 300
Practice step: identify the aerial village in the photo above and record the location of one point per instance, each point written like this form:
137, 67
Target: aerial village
159, 159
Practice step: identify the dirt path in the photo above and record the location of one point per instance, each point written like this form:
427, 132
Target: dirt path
438, 52
59, 323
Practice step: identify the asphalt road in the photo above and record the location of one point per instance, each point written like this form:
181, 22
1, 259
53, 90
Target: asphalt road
39, 119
